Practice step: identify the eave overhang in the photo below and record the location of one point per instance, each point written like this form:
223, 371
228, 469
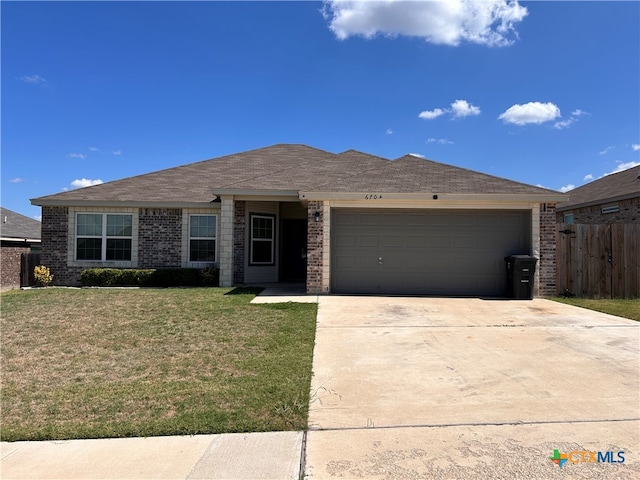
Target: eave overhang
122, 203
550, 197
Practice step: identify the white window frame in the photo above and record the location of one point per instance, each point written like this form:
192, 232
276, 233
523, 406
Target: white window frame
214, 238
104, 237
272, 219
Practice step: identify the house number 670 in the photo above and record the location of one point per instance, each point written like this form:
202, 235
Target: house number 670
372, 196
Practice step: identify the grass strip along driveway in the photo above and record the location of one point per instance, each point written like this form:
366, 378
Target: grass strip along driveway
89, 363
627, 308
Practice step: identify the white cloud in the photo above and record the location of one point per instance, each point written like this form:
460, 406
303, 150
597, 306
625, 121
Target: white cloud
117, 152
459, 109
16, 180
462, 108
389, 131
532, 112
566, 188
94, 149
622, 166
635, 147
34, 79
564, 123
81, 156
443, 141
486, 22
416, 155
85, 182
37, 217
573, 118
587, 177
606, 150
431, 114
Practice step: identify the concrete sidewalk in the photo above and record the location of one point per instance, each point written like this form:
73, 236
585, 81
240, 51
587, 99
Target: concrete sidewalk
284, 293
271, 455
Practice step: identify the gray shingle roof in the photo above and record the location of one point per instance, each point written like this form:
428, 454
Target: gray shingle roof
14, 225
617, 186
294, 168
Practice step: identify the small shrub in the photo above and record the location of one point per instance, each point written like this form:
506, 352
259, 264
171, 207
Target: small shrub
210, 276
42, 275
161, 277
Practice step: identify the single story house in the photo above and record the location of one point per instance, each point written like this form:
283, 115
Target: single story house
614, 198
18, 235
343, 223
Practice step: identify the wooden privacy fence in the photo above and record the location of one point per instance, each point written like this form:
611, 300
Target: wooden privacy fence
598, 261
28, 261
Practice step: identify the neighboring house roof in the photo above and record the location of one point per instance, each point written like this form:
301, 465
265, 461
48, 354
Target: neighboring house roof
286, 169
14, 226
612, 188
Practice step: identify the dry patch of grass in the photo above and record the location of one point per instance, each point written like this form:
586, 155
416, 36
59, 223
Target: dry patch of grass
627, 308
111, 363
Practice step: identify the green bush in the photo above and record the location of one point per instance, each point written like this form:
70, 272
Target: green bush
160, 277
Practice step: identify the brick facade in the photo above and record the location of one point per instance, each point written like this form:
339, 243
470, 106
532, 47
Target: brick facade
629, 213
315, 237
159, 237
547, 263
239, 236
10, 265
55, 233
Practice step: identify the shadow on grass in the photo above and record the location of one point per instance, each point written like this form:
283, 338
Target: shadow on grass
245, 291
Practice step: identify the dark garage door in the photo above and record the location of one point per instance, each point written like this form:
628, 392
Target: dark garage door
428, 252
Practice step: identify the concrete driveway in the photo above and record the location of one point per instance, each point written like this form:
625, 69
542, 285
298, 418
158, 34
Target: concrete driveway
472, 388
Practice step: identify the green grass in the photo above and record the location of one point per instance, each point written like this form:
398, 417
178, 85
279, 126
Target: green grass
94, 363
621, 307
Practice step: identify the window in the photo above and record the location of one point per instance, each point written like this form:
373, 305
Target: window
202, 238
568, 218
262, 240
104, 237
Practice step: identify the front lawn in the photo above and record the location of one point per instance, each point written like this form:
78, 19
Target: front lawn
92, 363
621, 307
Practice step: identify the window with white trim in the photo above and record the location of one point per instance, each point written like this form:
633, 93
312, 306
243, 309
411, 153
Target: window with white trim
568, 218
104, 237
202, 238
262, 240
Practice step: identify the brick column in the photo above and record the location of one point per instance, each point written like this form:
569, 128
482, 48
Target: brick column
315, 236
239, 229
225, 235
547, 262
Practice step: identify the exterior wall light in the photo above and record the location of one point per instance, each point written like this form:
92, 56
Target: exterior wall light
316, 216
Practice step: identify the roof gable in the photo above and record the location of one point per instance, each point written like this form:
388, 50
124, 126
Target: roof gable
294, 168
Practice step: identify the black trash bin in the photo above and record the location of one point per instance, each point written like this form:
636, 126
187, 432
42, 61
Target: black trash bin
520, 276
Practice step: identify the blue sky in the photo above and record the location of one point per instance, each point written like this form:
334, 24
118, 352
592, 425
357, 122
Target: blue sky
540, 92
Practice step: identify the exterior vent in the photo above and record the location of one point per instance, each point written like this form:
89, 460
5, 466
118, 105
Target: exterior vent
611, 209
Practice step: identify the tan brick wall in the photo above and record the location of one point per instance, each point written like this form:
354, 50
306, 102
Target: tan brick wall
315, 237
547, 262
239, 236
629, 213
159, 237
